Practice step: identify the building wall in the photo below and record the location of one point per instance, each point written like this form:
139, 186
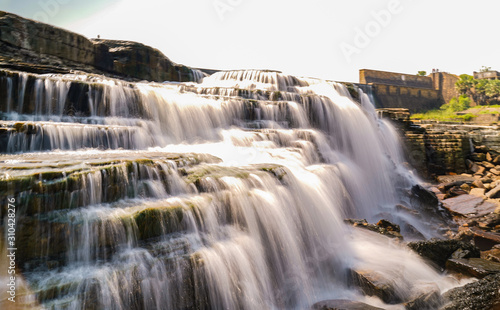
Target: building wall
445, 83
491, 75
367, 76
412, 98
416, 93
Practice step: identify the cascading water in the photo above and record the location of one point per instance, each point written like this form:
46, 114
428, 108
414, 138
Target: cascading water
229, 194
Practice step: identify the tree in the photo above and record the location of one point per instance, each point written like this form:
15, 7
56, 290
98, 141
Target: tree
465, 84
485, 69
483, 92
422, 73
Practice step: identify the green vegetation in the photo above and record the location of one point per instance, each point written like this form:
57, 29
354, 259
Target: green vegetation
490, 106
438, 115
422, 73
456, 105
485, 69
483, 92
447, 112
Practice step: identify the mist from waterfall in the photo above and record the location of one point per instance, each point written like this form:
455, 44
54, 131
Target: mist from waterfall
257, 223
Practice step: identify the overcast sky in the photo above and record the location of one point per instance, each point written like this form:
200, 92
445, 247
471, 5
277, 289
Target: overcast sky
329, 39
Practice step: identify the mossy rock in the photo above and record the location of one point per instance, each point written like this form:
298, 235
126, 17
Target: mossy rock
155, 222
195, 174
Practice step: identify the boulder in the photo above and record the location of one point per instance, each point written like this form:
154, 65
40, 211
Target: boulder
461, 253
426, 297
393, 232
473, 267
465, 187
494, 193
388, 225
411, 232
496, 160
439, 251
484, 240
443, 187
457, 191
495, 171
480, 171
468, 205
454, 178
474, 168
478, 192
372, 283
342, 304
487, 165
492, 255
483, 294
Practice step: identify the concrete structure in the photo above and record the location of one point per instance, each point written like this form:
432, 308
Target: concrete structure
445, 83
367, 76
414, 92
487, 75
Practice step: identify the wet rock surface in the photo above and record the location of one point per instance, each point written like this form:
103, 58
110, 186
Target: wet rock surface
473, 267
427, 297
383, 227
439, 251
342, 304
373, 283
483, 294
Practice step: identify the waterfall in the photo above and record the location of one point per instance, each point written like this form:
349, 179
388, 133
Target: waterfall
230, 193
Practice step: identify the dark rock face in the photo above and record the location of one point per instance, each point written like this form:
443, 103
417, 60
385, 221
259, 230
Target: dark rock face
427, 197
143, 62
383, 227
473, 267
373, 283
342, 304
438, 251
485, 240
427, 298
45, 39
483, 294
32, 46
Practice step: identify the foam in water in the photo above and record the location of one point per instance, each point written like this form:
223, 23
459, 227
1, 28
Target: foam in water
263, 228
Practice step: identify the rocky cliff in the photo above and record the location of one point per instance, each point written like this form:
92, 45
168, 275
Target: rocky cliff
431, 150
32, 46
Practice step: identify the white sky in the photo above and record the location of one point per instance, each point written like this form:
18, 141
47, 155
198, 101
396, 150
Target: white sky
294, 36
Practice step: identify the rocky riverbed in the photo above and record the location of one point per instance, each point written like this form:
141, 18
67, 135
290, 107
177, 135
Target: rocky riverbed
464, 175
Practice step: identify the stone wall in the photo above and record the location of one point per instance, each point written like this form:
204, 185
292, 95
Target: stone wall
445, 83
414, 92
367, 76
412, 98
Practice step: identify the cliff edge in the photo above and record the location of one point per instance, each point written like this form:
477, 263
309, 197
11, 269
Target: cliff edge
32, 46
